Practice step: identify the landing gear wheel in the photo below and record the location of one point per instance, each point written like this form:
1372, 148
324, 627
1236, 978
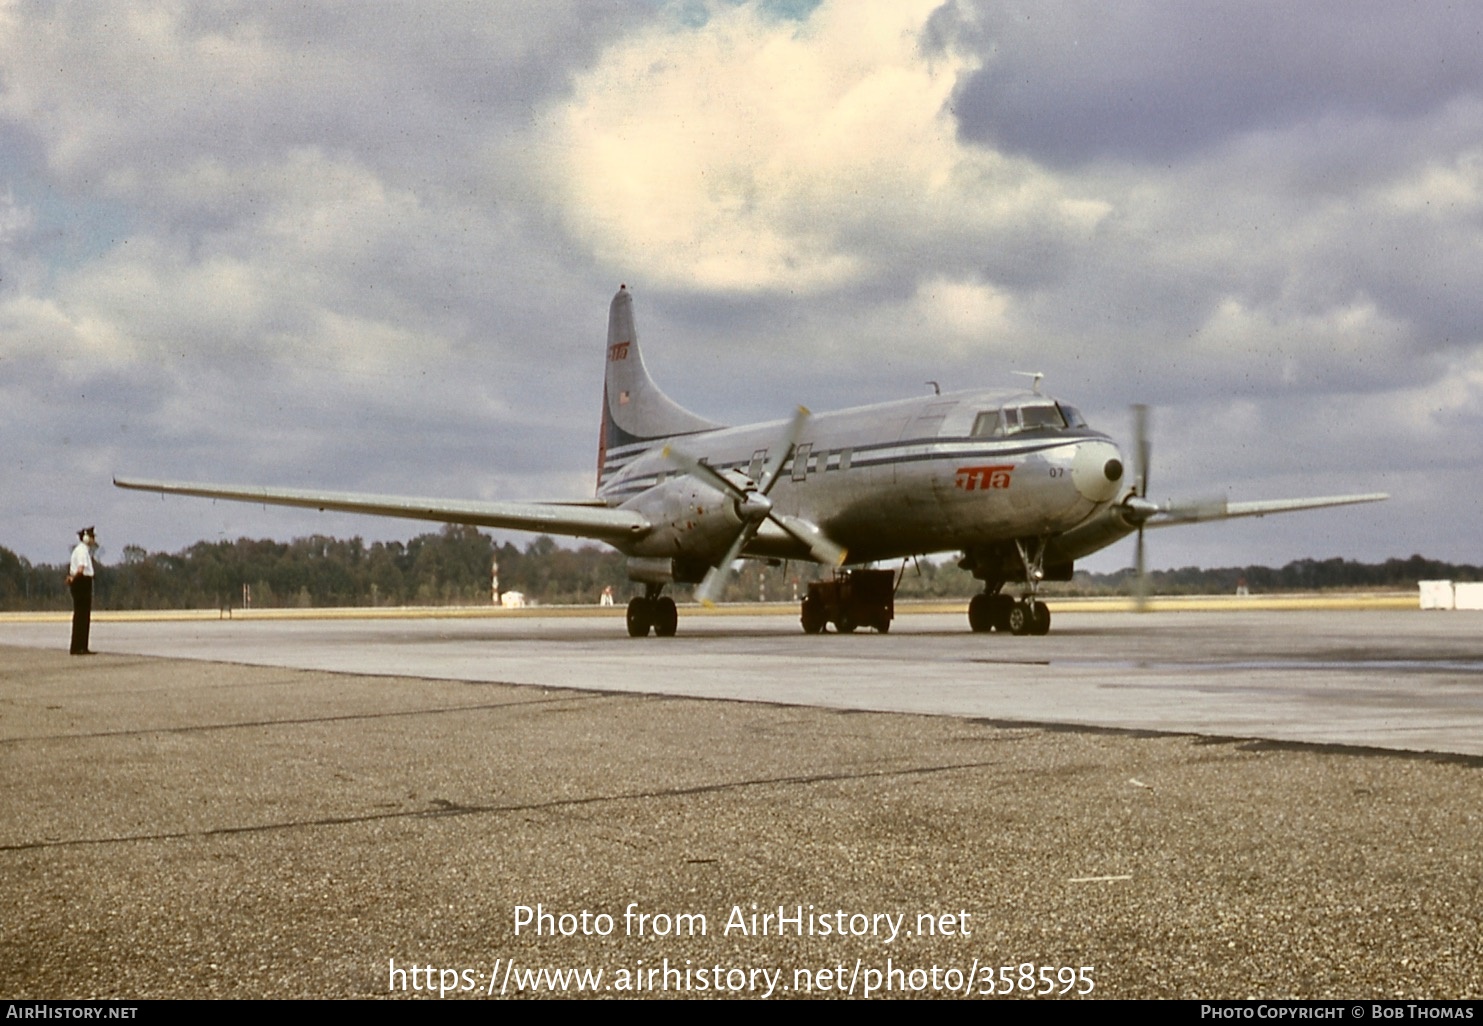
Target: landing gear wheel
666, 617
981, 613
999, 607
1021, 619
812, 617
882, 624
640, 617
1041, 623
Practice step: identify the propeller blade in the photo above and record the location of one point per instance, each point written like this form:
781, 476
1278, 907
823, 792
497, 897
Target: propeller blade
1142, 449
714, 583
707, 473
822, 549
790, 439
710, 587
1140, 576
1138, 508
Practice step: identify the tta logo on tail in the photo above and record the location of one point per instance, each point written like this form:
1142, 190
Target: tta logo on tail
684, 497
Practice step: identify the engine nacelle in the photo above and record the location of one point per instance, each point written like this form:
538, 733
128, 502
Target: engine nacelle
663, 570
1098, 532
694, 525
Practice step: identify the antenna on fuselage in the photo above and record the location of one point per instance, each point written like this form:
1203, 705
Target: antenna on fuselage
936, 388
1038, 377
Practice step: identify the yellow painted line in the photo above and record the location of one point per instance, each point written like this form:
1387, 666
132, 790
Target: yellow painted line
1191, 604
1234, 603
338, 613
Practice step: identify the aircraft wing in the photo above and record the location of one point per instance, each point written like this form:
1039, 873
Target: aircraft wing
577, 519
1170, 514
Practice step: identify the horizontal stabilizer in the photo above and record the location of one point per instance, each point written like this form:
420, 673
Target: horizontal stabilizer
581, 519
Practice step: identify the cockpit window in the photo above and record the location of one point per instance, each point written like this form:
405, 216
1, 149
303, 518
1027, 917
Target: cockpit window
1073, 416
986, 424
1013, 419
1047, 416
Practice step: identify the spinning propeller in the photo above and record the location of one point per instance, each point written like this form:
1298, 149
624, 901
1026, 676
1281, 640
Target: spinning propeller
752, 506
1139, 510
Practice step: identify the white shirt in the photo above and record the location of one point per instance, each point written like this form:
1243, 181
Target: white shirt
82, 561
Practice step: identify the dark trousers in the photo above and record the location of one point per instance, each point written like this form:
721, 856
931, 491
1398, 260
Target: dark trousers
82, 612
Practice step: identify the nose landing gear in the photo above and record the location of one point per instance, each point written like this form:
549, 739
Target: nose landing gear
1029, 617
1002, 613
991, 611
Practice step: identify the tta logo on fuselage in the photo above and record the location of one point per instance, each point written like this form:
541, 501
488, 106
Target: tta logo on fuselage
976, 479
618, 351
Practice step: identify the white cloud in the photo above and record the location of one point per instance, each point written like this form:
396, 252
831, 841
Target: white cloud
1257, 348
1443, 191
755, 153
370, 246
965, 316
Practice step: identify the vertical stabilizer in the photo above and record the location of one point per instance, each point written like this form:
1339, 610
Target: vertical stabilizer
634, 410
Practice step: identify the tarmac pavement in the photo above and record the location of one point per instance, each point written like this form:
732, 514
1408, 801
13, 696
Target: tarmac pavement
186, 828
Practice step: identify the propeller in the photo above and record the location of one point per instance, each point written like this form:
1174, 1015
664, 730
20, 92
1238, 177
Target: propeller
1140, 510
753, 507
1138, 504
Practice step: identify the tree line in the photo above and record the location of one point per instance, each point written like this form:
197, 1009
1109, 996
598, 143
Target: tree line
461, 565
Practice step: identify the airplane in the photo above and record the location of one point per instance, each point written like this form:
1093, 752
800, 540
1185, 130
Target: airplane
1014, 480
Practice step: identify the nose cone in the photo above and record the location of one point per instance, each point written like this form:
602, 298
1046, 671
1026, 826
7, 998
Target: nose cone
1097, 470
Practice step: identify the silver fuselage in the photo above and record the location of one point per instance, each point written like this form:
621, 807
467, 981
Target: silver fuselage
916, 476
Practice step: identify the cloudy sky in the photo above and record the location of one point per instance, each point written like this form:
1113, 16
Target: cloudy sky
371, 246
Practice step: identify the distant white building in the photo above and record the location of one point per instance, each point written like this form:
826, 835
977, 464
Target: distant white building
1437, 595
1467, 596
512, 600
1447, 595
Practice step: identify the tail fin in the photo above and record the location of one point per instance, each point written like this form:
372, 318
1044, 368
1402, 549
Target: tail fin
634, 410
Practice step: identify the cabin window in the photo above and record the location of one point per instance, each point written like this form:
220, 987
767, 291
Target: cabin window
800, 462
754, 469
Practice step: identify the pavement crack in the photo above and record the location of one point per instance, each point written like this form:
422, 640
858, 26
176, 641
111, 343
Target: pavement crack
444, 809
202, 728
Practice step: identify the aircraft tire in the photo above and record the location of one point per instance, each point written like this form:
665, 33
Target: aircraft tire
812, 616
640, 617
981, 613
1021, 620
998, 607
666, 617
1040, 624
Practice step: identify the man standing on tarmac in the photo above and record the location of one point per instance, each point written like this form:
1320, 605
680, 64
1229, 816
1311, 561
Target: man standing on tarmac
80, 581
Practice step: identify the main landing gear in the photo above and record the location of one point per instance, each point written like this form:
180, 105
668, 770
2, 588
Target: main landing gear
652, 612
